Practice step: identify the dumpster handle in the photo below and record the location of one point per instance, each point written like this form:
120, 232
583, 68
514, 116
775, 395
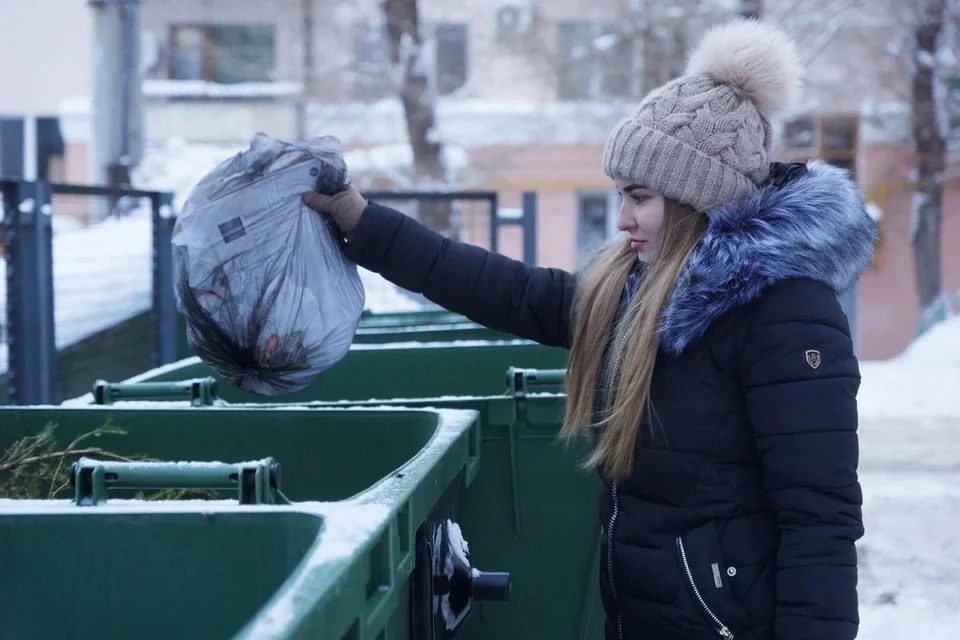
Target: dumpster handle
198, 391
256, 482
519, 382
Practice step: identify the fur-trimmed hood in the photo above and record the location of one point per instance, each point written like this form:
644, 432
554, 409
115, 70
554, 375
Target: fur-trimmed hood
808, 221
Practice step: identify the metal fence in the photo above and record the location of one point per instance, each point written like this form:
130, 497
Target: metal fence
88, 287
478, 215
88, 291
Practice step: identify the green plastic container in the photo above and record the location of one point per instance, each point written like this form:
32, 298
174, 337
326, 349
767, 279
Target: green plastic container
441, 332
422, 326
531, 510
368, 487
406, 318
386, 371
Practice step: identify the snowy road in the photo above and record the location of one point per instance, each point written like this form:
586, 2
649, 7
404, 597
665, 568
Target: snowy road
910, 556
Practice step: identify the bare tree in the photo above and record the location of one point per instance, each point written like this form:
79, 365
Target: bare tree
928, 138
910, 62
415, 80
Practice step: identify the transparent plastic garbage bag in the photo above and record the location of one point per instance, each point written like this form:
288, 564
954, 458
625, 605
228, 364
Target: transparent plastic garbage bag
269, 299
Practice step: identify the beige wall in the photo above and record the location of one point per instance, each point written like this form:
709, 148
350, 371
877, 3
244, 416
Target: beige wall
52, 37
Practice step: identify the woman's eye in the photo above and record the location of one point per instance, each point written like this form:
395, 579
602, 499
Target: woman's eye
639, 199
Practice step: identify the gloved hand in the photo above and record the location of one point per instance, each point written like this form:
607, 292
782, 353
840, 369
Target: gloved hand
345, 208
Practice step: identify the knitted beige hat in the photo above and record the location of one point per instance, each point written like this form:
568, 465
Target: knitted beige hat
704, 138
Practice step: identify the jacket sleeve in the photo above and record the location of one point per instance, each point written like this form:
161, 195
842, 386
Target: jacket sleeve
488, 288
801, 380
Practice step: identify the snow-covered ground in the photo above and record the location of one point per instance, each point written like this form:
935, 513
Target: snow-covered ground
910, 471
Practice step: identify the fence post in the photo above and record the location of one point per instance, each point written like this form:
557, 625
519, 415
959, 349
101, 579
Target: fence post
164, 299
30, 304
494, 224
530, 228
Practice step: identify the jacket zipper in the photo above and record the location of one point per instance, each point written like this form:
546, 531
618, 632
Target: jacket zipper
613, 589
720, 628
616, 502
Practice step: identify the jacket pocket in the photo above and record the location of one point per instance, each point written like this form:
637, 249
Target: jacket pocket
709, 581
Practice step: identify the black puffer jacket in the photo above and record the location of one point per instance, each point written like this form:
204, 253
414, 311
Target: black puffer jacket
740, 517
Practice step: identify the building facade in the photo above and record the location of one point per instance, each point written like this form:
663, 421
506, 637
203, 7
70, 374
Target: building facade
526, 92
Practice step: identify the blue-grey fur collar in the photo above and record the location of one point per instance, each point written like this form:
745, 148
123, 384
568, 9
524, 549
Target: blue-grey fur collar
811, 225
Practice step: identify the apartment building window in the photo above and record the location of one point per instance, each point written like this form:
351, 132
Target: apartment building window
373, 63
594, 62
371, 71
451, 57
833, 139
596, 221
222, 53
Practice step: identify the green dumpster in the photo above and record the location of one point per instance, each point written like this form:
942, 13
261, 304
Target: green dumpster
422, 326
530, 511
445, 332
407, 318
342, 552
407, 370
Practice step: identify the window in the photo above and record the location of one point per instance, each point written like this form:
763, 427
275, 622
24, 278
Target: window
451, 57
596, 221
594, 62
371, 51
224, 54
373, 63
834, 139
799, 134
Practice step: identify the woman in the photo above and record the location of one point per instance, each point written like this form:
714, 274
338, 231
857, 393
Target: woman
709, 355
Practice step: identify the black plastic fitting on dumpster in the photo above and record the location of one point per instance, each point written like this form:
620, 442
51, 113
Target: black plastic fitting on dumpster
479, 585
491, 586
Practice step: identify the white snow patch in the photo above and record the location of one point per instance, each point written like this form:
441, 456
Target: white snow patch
909, 557
102, 275
176, 464
920, 383
162, 88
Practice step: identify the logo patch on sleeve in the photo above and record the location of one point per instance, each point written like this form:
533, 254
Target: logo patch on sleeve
813, 358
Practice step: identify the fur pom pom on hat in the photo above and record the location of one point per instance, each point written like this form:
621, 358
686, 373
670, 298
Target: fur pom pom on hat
704, 138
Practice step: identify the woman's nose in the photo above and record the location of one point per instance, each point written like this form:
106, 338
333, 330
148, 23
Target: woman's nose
625, 221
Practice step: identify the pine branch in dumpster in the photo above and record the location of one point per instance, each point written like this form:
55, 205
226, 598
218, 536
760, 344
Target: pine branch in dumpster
269, 299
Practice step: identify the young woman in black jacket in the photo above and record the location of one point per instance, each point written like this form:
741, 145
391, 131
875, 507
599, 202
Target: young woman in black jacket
709, 357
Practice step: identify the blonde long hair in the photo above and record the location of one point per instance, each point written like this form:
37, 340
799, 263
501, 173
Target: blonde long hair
634, 348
